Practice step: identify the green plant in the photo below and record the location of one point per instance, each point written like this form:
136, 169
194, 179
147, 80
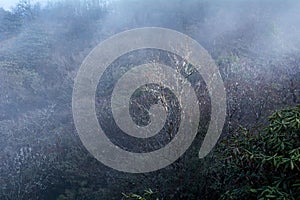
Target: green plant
262, 166
148, 194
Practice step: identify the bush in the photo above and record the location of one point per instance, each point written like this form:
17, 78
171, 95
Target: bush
260, 166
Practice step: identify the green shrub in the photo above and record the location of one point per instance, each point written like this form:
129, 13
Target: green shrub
260, 166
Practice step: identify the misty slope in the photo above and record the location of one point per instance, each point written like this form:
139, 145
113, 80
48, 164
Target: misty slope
256, 46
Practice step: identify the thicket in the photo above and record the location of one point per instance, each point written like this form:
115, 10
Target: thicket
42, 47
251, 165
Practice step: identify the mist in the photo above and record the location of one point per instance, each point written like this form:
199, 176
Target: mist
254, 44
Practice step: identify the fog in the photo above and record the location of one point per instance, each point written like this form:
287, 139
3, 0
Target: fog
255, 46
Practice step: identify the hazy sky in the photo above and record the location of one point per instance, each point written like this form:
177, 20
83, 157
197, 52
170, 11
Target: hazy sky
8, 4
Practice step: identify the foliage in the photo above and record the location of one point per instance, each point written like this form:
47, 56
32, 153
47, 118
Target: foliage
263, 166
41, 49
148, 194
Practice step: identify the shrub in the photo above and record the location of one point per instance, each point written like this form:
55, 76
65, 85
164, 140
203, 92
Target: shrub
260, 166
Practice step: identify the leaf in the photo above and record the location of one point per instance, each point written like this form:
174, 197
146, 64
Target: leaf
253, 190
292, 164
